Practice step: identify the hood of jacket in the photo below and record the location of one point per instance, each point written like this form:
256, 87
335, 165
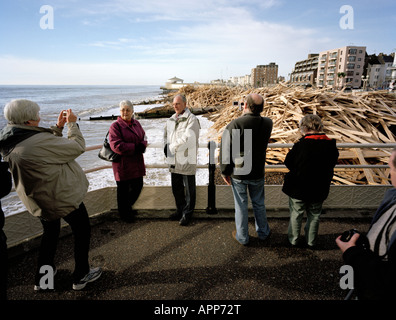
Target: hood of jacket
11, 135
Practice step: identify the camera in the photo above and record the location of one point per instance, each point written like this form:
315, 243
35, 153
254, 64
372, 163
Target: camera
347, 235
362, 241
65, 114
238, 104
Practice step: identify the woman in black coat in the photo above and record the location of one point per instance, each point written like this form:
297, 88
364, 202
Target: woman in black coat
311, 164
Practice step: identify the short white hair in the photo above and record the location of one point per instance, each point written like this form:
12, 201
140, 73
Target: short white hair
126, 103
19, 111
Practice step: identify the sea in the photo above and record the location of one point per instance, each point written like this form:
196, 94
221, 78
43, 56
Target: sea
93, 101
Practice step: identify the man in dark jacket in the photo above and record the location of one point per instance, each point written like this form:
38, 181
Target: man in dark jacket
242, 159
374, 266
5, 188
311, 163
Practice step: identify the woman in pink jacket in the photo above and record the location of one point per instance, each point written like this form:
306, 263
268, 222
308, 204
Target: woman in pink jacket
127, 138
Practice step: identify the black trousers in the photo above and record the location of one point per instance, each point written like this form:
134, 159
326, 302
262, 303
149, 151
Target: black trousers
81, 229
128, 192
3, 264
184, 191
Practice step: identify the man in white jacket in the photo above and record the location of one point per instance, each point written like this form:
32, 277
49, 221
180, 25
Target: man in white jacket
181, 147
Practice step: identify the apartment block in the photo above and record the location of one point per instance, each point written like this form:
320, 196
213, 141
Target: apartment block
379, 71
305, 71
264, 75
342, 67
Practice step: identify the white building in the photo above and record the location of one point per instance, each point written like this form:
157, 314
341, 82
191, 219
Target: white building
174, 83
393, 68
379, 71
240, 81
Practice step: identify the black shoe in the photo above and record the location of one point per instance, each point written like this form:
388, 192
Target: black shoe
175, 216
127, 217
184, 220
267, 238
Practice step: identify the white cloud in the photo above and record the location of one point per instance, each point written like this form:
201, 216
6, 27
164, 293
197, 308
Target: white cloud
211, 39
235, 44
200, 52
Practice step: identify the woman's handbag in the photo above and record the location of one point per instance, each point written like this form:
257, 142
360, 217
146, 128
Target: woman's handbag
106, 153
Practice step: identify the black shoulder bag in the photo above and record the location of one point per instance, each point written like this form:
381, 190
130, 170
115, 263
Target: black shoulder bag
106, 153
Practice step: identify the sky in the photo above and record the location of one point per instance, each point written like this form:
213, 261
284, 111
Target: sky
147, 42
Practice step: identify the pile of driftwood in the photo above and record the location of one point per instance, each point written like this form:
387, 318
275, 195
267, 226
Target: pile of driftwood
357, 117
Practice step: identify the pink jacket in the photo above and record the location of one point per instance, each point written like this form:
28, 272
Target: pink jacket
123, 139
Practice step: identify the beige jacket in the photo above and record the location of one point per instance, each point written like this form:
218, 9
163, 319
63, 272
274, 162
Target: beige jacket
182, 134
48, 180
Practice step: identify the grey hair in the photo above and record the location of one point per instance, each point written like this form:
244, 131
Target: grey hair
182, 96
311, 122
126, 103
19, 111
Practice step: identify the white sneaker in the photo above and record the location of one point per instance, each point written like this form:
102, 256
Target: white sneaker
92, 275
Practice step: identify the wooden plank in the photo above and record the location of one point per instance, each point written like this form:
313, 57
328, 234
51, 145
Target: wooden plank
368, 173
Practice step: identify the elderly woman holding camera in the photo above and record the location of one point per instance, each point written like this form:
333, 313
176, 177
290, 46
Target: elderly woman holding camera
49, 181
127, 138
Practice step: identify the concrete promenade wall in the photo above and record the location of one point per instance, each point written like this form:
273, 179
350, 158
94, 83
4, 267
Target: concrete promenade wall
157, 201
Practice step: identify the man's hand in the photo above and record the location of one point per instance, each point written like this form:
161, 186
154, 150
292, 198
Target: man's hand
61, 119
346, 245
69, 117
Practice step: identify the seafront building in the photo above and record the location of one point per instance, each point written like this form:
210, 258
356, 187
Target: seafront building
174, 83
348, 67
379, 71
264, 75
305, 71
341, 67
393, 68
243, 81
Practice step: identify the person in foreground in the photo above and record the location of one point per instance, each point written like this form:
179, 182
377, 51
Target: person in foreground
127, 138
181, 148
242, 159
5, 188
49, 182
374, 264
311, 164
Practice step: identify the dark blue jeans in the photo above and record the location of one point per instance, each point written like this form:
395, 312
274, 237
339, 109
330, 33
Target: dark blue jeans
81, 229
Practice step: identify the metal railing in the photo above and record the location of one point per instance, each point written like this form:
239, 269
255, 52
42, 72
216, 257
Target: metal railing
211, 166
212, 146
